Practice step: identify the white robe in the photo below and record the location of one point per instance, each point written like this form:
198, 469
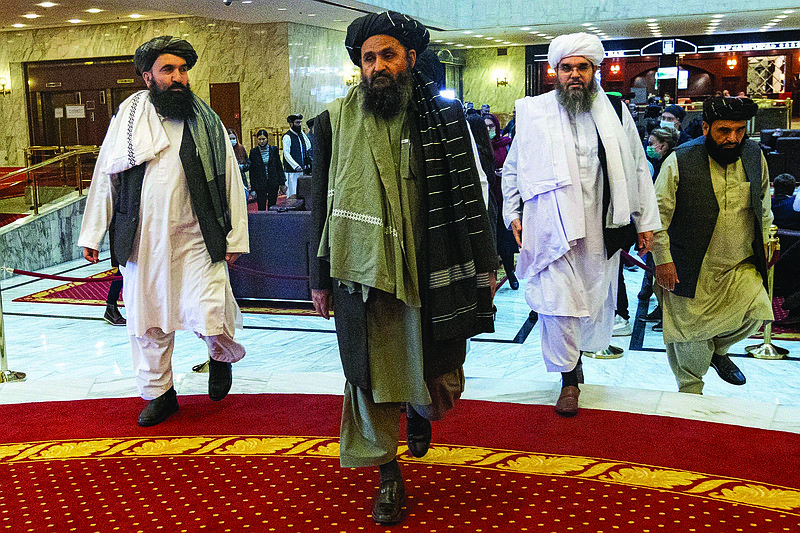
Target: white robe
169, 280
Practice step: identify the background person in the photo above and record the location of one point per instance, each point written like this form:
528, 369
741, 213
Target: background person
266, 171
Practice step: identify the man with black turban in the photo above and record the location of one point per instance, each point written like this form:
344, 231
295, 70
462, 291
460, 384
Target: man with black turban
404, 251
167, 186
713, 196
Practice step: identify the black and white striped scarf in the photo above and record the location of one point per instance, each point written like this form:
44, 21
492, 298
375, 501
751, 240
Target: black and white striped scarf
459, 252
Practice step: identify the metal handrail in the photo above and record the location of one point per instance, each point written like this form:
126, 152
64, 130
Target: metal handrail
77, 152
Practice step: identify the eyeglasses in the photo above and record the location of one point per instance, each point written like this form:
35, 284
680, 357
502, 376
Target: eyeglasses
582, 68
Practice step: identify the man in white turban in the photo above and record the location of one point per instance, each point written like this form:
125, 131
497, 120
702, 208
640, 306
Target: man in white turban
578, 166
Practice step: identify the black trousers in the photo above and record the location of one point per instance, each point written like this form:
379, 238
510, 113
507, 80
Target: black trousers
114, 290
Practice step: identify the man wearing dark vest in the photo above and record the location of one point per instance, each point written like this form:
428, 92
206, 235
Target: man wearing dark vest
296, 153
167, 184
578, 168
713, 196
405, 257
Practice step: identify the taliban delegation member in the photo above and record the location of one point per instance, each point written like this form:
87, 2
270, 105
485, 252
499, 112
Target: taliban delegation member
405, 258
714, 200
579, 167
168, 184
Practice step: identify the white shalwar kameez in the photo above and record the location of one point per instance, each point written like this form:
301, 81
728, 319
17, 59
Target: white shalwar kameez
170, 282
574, 294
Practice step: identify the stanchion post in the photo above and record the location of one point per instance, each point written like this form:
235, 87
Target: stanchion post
6, 375
767, 350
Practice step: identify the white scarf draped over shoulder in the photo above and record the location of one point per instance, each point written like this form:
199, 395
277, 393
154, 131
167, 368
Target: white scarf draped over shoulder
135, 135
548, 177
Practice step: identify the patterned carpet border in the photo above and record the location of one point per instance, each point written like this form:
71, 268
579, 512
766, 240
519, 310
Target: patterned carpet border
726, 489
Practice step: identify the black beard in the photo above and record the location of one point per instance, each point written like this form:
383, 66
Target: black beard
723, 156
176, 102
576, 101
387, 99
297, 129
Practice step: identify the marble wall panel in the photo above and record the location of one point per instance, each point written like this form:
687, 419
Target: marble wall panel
255, 55
318, 68
482, 68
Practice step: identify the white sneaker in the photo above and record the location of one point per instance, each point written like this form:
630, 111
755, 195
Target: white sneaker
622, 327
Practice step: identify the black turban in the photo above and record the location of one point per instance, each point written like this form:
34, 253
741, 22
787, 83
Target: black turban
410, 33
292, 118
147, 53
736, 109
676, 111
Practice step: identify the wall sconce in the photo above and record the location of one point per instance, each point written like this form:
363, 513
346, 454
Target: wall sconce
550, 72
354, 78
615, 68
502, 82
732, 63
3, 90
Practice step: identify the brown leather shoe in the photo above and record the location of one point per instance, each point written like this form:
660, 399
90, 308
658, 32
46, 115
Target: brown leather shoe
388, 505
567, 404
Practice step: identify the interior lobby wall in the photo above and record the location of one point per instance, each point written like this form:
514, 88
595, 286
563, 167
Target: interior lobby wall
255, 55
481, 70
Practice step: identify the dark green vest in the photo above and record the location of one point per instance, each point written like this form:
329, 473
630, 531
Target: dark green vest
696, 212
125, 220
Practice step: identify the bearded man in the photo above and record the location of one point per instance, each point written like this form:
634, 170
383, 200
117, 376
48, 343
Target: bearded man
578, 166
405, 253
713, 195
296, 153
167, 185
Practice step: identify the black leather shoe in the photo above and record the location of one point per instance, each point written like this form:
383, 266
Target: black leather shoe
389, 502
727, 369
220, 379
513, 282
418, 432
646, 292
159, 409
113, 316
655, 315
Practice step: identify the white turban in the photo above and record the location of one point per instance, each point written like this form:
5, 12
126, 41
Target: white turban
575, 44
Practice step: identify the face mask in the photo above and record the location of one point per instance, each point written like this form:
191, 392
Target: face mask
651, 153
492, 133
233, 142
667, 124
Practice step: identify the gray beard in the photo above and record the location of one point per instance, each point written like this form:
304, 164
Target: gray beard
575, 102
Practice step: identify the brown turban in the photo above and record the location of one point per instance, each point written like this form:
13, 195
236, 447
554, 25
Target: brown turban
410, 33
147, 53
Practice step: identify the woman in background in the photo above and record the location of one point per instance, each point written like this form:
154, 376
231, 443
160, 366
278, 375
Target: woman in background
266, 171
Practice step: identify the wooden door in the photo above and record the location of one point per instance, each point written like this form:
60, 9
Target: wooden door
225, 102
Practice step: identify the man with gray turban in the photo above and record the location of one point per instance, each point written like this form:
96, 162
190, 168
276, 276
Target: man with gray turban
167, 186
713, 195
405, 255
578, 166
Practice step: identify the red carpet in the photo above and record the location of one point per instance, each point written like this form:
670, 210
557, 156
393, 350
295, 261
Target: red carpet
270, 463
81, 293
8, 218
789, 333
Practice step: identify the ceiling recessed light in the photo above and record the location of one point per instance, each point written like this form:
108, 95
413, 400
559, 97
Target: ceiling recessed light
19, 25
525, 28
478, 35
74, 21
94, 10
651, 20
47, 4
281, 9
498, 40
438, 41
467, 32
470, 46
312, 14
211, 25
31, 16
489, 38
135, 16
717, 16
247, 1
781, 17
534, 33
459, 44
586, 24
788, 11
451, 42
506, 42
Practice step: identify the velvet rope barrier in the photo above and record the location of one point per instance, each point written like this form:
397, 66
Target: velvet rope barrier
60, 278
636, 262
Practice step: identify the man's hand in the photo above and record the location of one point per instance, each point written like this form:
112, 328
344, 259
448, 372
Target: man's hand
493, 282
323, 302
667, 276
516, 229
90, 254
645, 243
231, 258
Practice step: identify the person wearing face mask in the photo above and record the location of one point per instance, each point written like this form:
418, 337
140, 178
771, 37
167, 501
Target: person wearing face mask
506, 244
241, 157
671, 117
266, 172
711, 268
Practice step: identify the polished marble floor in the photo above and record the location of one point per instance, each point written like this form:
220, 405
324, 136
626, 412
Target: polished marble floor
68, 352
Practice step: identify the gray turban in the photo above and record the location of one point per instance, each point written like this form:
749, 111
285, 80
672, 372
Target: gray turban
575, 44
736, 109
147, 53
410, 33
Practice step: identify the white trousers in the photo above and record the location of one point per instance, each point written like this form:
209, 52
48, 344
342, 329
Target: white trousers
291, 183
565, 337
152, 358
